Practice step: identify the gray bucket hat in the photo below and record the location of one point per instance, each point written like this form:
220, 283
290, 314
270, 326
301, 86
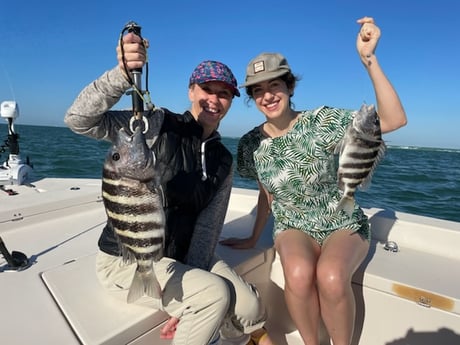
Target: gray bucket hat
265, 66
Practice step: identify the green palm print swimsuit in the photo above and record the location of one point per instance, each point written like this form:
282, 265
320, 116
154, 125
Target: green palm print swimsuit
300, 170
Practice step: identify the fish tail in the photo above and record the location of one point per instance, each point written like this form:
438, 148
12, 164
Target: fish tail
153, 288
347, 204
144, 283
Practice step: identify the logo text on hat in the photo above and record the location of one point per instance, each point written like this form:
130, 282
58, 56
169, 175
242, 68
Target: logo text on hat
259, 66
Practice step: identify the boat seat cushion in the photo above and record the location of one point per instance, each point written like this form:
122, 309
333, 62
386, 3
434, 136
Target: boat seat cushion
96, 315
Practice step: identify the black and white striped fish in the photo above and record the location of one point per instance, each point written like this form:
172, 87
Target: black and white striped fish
360, 152
134, 207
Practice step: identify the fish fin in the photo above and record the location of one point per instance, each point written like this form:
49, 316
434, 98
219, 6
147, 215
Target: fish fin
153, 288
144, 284
346, 204
128, 256
136, 289
340, 182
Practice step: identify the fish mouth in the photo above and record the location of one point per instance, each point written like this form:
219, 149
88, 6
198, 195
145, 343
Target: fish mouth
139, 158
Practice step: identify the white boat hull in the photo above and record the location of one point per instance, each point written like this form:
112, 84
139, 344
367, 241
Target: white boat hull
406, 297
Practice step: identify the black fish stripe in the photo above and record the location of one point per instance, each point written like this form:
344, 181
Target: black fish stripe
109, 174
362, 155
112, 175
355, 165
123, 188
136, 226
352, 185
144, 260
120, 189
135, 209
140, 242
364, 143
354, 175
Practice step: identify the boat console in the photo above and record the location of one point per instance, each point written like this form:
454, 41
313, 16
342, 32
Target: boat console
14, 171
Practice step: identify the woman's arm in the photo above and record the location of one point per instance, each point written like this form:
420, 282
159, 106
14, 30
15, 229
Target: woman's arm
391, 112
89, 114
262, 213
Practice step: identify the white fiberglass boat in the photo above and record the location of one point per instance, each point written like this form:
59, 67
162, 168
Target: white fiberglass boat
407, 290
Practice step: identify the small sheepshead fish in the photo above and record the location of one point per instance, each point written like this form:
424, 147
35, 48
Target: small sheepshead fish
360, 152
134, 208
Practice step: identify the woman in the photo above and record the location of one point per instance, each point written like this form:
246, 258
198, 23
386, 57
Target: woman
319, 248
199, 291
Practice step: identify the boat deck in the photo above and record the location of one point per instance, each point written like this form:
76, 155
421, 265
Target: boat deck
412, 295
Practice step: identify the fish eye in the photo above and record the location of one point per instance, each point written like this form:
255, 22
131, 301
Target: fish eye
116, 156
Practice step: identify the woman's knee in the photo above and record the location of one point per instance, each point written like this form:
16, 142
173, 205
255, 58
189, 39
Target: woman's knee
333, 281
299, 254
299, 275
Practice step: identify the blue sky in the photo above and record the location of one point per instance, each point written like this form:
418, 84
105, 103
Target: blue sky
50, 50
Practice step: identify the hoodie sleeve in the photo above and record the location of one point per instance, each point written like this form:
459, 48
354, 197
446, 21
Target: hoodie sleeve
89, 114
209, 227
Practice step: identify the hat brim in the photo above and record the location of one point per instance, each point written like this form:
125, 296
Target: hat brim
235, 90
232, 88
264, 77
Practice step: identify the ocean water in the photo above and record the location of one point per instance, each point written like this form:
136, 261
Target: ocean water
417, 180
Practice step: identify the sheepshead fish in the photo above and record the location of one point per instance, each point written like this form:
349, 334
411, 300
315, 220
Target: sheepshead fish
134, 207
360, 152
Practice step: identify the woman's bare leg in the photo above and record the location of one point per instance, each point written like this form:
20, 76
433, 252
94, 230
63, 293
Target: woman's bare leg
341, 255
299, 254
